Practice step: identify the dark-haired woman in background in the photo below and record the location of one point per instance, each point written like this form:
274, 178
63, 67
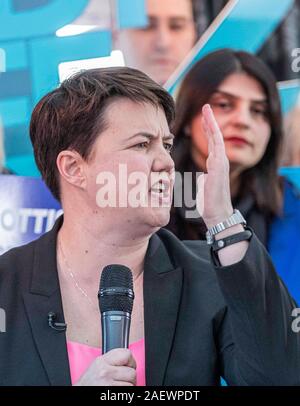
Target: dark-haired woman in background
243, 94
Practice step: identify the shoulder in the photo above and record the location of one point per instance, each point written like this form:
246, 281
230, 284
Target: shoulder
17, 255
195, 262
291, 196
15, 274
15, 264
191, 255
198, 248
291, 207
20, 260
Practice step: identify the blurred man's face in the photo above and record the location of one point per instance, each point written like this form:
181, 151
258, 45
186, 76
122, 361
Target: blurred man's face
159, 48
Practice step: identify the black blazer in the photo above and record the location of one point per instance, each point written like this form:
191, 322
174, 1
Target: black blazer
201, 320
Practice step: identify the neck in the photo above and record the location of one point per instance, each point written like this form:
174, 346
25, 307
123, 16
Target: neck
87, 252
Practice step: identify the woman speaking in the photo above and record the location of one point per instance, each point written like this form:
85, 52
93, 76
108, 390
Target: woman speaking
202, 310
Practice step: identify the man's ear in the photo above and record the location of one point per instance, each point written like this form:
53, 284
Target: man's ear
70, 165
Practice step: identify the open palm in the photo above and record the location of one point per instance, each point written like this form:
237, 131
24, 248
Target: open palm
216, 204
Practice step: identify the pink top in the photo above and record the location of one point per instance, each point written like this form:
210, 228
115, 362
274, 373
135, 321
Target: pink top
81, 356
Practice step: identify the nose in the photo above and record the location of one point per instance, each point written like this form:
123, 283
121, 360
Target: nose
163, 38
163, 162
242, 116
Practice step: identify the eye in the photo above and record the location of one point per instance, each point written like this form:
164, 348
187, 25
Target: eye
259, 111
222, 104
168, 146
142, 145
177, 27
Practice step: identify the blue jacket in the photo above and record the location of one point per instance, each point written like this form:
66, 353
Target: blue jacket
284, 241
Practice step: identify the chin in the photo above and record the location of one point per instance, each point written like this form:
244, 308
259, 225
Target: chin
156, 218
239, 167
160, 76
237, 158
160, 81
161, 218
149, 222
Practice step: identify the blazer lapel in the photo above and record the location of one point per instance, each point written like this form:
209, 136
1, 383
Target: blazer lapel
162, 293
45, 296
51, 344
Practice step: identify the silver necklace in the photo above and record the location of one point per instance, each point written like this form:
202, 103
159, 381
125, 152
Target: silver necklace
71, 274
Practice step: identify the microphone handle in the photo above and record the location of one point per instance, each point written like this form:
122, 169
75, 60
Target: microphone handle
115, 330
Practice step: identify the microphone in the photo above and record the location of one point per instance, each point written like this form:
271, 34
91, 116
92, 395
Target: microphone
115, 302
55, 325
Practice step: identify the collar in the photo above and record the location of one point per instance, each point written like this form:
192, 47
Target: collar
162, 293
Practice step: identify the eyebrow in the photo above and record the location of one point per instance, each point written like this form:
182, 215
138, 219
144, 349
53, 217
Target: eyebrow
151, 136
230, 95
174, 18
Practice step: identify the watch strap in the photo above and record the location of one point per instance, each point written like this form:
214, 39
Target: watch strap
232, 239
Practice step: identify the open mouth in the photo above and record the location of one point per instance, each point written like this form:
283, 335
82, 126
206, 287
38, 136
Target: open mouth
161, 191
159, 187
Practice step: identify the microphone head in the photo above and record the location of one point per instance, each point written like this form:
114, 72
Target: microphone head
116, 289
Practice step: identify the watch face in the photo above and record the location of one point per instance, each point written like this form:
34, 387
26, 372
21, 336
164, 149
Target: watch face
238, 215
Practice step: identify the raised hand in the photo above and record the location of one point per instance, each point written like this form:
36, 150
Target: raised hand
216, 205
216, 199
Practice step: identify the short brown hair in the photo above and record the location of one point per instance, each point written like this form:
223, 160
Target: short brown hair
73, 115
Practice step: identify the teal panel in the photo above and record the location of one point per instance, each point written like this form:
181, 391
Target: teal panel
2, 60
14, 111
267, 10
15, 54
43, 20
246, 27
23, 165
289, 94
46, 54
15, 84
33, 53
292, 174
21, 5
17, 141
132, 13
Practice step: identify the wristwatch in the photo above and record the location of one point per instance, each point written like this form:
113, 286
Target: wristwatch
234, 219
